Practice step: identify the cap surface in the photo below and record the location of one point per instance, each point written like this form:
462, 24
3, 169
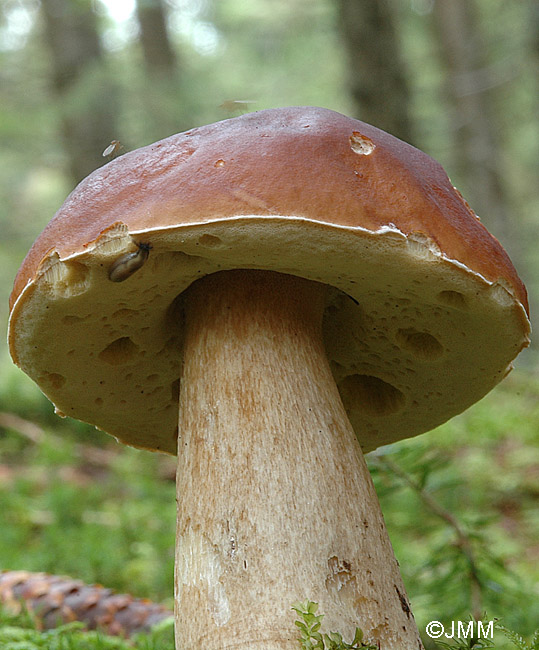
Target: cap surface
426, 314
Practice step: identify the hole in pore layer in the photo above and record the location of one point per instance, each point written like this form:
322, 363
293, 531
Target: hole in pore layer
125, 314
211, 241
119, 352
54, 379
73, 320
453, 299
422, 344
370, 394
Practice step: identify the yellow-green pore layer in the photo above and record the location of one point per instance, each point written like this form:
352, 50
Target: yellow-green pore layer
414, 332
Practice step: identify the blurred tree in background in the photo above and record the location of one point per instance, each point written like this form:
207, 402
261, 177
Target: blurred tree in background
159, 55
376, 70
77, 69
456, 78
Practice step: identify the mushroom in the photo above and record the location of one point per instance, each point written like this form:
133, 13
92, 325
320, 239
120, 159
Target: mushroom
311, 288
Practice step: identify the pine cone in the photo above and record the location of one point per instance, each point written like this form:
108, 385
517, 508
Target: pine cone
55, 600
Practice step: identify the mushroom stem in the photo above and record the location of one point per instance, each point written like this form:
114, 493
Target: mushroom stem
275, 502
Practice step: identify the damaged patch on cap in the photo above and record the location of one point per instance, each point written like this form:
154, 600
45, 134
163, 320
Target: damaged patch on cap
361, 144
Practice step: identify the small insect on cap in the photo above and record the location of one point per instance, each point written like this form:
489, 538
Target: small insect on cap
426, 311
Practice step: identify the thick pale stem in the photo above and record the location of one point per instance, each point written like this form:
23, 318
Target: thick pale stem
275, 503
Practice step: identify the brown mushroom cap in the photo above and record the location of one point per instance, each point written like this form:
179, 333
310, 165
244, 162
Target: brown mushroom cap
426, 314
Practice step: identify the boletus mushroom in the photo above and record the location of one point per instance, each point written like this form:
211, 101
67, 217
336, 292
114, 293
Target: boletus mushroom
304, 288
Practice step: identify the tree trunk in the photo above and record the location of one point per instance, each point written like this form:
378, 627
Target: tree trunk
376, 74
84, 93
477, 158
159, 56
160, 93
